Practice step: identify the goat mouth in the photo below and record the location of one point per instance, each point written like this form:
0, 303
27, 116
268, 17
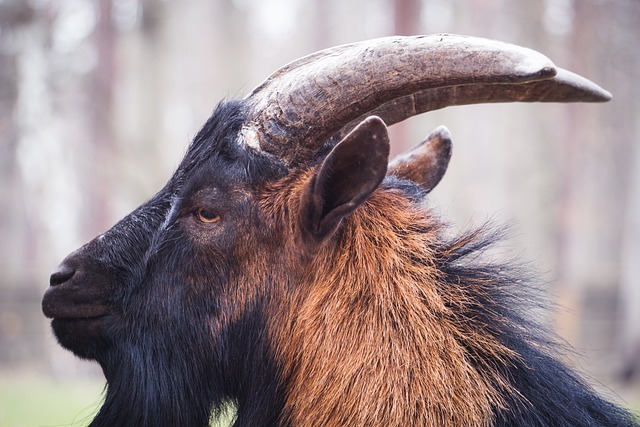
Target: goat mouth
58, 305
74, 312
79, 313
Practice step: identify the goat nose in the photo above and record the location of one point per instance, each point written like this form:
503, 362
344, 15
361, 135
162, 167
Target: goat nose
63, 273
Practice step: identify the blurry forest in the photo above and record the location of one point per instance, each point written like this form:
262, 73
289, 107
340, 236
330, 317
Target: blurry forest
99, 98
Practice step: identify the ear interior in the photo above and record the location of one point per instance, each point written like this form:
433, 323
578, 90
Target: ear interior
346, 178
426, 163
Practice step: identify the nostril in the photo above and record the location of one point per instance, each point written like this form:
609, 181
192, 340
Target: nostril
63, 273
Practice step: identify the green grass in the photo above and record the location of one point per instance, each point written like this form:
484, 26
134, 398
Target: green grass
35, 402
47, 403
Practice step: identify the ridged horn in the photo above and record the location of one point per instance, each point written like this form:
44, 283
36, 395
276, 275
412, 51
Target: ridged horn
303, 104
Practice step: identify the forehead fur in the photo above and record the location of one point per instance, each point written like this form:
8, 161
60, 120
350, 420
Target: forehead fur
215, 149
220, 132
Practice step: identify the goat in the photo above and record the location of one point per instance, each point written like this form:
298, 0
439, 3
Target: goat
287, 269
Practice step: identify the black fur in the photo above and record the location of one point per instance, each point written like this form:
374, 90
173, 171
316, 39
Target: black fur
549, 392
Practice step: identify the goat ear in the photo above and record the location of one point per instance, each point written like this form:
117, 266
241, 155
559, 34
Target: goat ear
346, 178
426, 163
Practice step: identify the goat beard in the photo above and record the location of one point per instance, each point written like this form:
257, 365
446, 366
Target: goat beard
153, 381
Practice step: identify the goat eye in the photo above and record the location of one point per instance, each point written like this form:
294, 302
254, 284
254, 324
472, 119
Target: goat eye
206, 216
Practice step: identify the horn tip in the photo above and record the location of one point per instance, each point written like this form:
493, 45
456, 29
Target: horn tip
584, 90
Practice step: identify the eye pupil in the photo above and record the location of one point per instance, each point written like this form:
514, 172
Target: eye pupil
207, 216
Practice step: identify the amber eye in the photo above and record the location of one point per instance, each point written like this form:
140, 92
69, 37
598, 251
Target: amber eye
206, 216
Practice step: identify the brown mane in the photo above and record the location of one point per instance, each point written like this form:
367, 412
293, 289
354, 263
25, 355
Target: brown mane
358, 337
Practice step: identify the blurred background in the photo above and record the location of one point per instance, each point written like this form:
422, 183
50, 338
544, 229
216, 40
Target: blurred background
99, 99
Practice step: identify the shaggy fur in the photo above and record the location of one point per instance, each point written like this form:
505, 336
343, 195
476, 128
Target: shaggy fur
395, 324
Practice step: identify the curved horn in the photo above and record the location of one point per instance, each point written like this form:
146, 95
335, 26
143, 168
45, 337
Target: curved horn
313, 98
565, 86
